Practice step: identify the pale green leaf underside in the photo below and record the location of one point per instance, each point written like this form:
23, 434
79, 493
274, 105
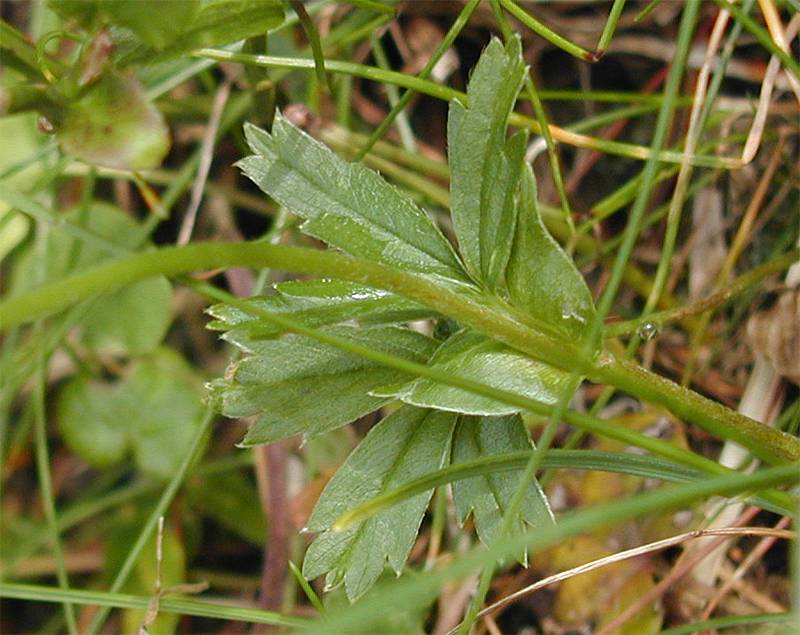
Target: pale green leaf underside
487, 497
345, 204
474, 356
409, 443
484, 166
298, 385
318, 303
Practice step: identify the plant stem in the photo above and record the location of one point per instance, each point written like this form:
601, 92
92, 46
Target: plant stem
462, 304
46, 485
548, 34
591, 460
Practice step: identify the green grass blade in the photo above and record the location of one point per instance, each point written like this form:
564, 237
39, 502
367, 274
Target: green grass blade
152, 521
183, 606
46, 487
408, 590
630, 464
548, 34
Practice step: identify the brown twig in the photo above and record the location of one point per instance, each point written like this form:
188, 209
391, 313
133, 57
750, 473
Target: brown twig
206, 157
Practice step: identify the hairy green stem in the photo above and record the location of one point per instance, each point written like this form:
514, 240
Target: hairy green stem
465, 306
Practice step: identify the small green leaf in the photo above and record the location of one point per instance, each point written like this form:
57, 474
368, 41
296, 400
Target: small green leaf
542, 279
84, 12
474, 356
484, 166
218, 22
407, 444
345, 204
319, 303
154, 412
488, 496
155, 30
113, 125
298, 385
157, 23
133, 320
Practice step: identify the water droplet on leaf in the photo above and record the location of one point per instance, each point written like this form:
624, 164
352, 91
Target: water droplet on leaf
648, 330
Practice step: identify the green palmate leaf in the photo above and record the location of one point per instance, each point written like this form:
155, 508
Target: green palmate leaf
487, 497
113, 125
484, 166
284, 381
154, 412
477, 357
133, 320
404, 446
542, 279
319, 303
345, 204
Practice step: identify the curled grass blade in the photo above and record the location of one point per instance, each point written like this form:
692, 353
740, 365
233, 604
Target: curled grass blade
630, 464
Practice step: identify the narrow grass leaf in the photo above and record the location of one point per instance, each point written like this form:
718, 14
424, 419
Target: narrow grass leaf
404, 446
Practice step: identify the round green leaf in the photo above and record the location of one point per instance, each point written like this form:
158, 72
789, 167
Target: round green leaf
113, 125
154, 412
131, 321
